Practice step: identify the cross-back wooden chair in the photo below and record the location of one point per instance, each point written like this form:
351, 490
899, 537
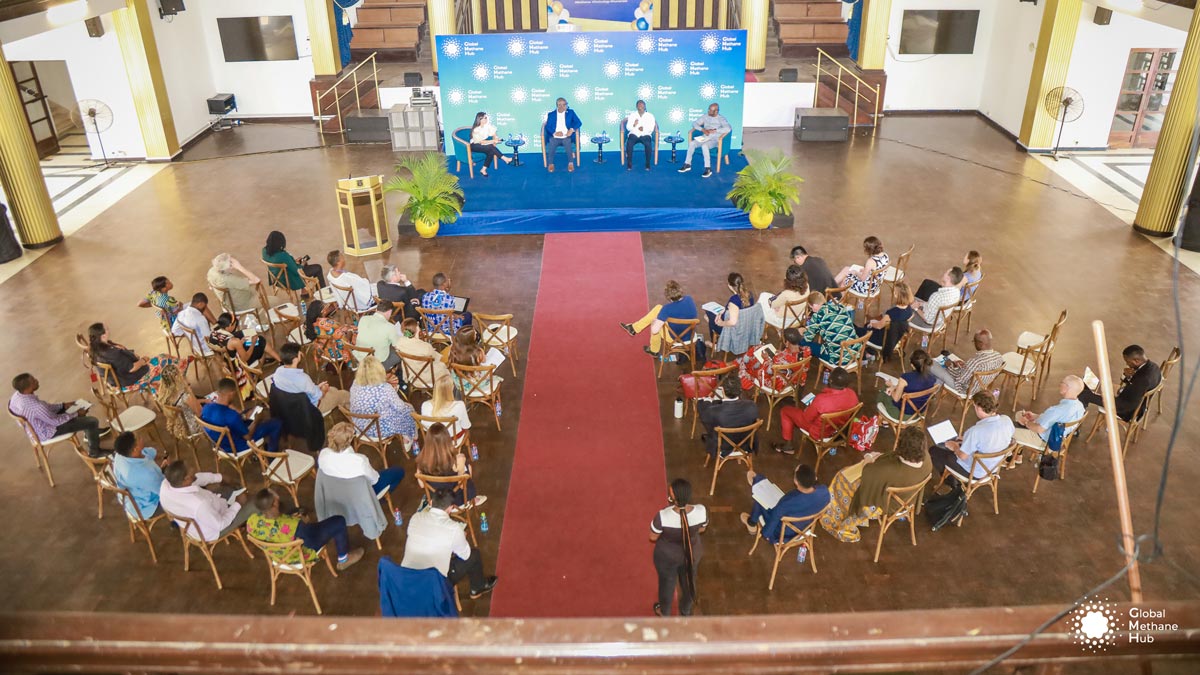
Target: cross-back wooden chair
110, 387
223, 440
729, 450
865, 301
212, 359
479, 385
193, 536
1045, 344
348, 303
284, 467
980, 380
368, 432
1165, 368
793, 533
315, 290
172, 412
941, 323
418, 374
991, 477
463, 514
292, 323
1133, 428
794, 315
461, 437
277, 281
437, 324
286, 315
895, 273
713, 375
1069, 429
966, 306
101, 476
138, 521
838, 422
134, 418
909, 419
903, 503
850, 359
795, 375
496, 331
173, 341
1023, 366
290, 559
674, 342
226, 299
41, 448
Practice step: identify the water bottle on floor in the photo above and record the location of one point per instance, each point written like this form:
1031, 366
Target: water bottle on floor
416, 448
397, 517
996, 394
802, 553
824, 377
860, 304
483, 524
924, 342
474, 453
303, 308
833, 452
498, 411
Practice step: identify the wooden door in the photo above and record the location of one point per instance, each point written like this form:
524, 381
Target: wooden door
1145, 91
37, 108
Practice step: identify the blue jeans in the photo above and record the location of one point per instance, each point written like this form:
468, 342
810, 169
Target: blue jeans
271, 430
316, 535
389, 479
567, 143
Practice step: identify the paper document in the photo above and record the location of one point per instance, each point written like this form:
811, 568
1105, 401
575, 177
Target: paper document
233, 497
79, 405
714, 307
494, 357
887, 379
1090, 379
766, 493
942, 432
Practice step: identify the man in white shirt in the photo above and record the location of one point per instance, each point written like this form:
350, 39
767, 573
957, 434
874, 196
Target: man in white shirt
992, 433
927, 312
346, 463
640, 126
435, 540
360, 296
192, 318
202, 498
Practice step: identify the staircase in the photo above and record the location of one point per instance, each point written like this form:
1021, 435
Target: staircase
841, 84
804, 26
61, 116
352, 94
390, 28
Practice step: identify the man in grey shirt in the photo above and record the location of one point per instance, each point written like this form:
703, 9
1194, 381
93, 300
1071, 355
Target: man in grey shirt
715, 126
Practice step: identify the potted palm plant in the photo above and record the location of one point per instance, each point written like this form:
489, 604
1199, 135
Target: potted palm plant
766, 187
434, 195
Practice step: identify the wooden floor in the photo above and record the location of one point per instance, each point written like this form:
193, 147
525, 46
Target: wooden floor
947, 184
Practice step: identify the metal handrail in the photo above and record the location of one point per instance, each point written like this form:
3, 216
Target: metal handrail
859, 84
352, 74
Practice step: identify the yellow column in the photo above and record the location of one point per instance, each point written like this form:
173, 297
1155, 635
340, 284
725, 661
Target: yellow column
1056, 39
754, 20
1163, 195
322, 37
441, 22
873, 34
28, 200
140, 53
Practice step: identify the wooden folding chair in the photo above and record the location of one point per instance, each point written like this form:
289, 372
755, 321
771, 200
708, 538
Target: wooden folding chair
437, 325
979, 382
431, 484
461, 437
205, 354
941, 323
349, 305
496, 331
110, 387
716, 374
1069, 429
286, 315
191, 534
991, 477
793, 533
290, 558
40, 447
226, 299
895, 273
285, 467
1133, 428
479, 385
316, 290
138, 522
674, 342
795, 375
223, 440
418, 374
1045, 344
850, 359
795, 314
277, 281
174, 412
966, 306
1165, 368
101, 476
1023, 366
133, 418
368, 432
838, 422
739, 451
903, 503
912, 419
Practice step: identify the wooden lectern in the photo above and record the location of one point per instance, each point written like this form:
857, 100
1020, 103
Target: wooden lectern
364, 215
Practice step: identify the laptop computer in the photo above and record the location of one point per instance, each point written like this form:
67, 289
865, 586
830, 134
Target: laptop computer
460, 304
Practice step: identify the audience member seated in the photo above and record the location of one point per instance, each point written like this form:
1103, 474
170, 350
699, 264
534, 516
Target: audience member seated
795, 289
334, 337
374, 393
957, 374
227, 274
835, 397
888, 329
860, 491
754, 371
917, 379
933, 295
730, 407
440, 298
174, 390
992, 433
410, 343
742, 298
806, 499
363, 297
467, 350
137, 472
819, 277
274, 527
1034, 430
833, 323
339, 460
667, 532
864, 279
972, 272
52, 419
194, 317
679, 306
248, 350
413, 594
394, 287
220, 413
443, 404
376, 331
291, 378
275, 252
202, 497
439, 458
436, 540
1139, 377
130, 369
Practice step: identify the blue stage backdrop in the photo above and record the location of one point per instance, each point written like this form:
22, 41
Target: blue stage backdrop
516, 78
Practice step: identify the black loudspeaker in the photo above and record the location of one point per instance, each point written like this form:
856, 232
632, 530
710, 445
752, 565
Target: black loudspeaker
221, 104
95, 27
412, 79
821, 124
169, 8
788, 74
1103, 16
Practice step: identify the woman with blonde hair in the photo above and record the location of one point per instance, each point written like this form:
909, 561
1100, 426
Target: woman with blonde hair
439, 458
374, 393
972, 272
339, 460
443, 404
174, 390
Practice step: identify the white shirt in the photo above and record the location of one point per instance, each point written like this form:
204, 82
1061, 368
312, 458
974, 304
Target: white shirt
363, 297
211, 512
192, 319
640, 125
990, 434
346, 464
458, 410
482, 132
432, 538
560, 122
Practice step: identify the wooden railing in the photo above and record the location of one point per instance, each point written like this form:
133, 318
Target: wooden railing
947, 640
330, 101
845, 80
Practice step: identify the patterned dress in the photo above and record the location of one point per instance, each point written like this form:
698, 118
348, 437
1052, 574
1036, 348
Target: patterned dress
834, 324
754, 373
279, 530
395, 414
870, 286
165, 306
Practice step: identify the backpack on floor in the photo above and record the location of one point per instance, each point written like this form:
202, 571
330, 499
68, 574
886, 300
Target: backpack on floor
863, 432
947, 509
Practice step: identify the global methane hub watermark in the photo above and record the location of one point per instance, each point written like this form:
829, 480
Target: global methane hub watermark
1098, 624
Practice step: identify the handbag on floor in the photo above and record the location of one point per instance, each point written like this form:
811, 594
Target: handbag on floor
863, 432
700, 387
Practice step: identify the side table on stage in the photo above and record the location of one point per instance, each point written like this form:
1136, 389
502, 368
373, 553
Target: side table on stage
600, 141
674, 139
515, 144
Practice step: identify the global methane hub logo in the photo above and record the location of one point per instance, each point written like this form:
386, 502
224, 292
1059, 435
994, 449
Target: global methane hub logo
1096, 623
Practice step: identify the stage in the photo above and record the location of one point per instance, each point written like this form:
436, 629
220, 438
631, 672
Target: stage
527, 199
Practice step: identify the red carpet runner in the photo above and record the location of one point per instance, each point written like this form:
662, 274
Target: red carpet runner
588, 474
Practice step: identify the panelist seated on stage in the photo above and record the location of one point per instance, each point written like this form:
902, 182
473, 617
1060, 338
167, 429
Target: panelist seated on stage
484, 140
640, 129
560, 129
713, 127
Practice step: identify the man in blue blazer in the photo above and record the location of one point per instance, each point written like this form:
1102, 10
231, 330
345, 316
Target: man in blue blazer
807, 499
561, 130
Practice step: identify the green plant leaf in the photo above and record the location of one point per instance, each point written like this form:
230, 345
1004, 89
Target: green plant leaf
767, 182
434, 193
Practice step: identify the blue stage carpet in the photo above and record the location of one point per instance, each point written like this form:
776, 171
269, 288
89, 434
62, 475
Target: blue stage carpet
597, 198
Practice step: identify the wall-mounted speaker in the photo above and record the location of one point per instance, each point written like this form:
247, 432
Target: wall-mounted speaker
95, 27
169, 8
1102, 17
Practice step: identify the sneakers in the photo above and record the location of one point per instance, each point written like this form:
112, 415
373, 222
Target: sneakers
475, 503
685, 168
570, 167
351, 558
103, 431
629, 329
745, 518
487, 588
707, 173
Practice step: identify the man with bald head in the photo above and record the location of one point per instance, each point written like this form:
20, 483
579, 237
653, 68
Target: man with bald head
957, 374
1034, 430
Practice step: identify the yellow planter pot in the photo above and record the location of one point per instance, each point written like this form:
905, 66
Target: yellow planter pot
427, 229
761, 219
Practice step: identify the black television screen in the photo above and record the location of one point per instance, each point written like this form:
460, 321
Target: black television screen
938, 31
258, 38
